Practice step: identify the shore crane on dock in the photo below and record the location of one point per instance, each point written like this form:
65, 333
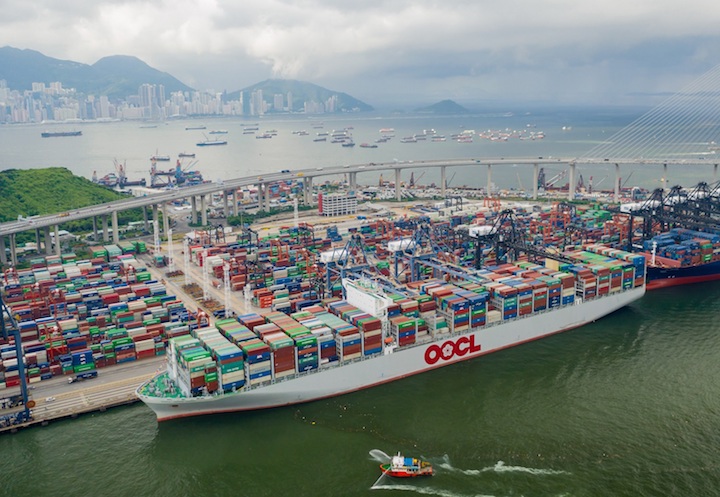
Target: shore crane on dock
9, 329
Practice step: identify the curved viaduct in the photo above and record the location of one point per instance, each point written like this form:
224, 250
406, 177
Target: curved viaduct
198, 194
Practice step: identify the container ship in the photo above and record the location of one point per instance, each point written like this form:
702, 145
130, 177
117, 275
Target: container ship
681, 257
52, 134
371, 336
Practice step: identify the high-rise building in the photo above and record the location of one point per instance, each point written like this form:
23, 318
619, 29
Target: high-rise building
278, 102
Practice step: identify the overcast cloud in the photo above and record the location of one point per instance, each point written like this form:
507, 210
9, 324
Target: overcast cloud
382, 51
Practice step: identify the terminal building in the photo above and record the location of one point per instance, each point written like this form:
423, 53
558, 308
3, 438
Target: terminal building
337, 204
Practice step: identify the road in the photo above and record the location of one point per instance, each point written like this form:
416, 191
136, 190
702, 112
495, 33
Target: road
116, 385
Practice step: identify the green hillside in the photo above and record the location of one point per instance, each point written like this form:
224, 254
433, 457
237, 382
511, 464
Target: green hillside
30, 192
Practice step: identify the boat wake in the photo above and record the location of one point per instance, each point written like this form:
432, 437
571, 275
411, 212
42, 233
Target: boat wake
379, 456
500, 467
422, 490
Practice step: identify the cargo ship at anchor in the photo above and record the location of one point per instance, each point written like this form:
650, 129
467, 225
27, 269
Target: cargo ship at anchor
52, 134
321, 351
682, 257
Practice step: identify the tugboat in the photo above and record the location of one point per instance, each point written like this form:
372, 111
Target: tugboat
406, 467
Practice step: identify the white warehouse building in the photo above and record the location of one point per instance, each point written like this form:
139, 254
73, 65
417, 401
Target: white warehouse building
337, 204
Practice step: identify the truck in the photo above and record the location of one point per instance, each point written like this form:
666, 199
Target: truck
87, 375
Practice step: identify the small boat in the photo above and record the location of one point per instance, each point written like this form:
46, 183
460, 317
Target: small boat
348, 144
190, 128
186, 154
368, 145
157, 157
406, 467
219, 132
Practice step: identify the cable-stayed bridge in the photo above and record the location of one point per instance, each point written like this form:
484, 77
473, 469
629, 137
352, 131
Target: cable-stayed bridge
684, 130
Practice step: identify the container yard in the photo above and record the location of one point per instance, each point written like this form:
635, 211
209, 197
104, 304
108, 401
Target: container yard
312, 302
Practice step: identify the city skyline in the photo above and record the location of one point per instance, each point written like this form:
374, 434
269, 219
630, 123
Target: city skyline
393, 51
53, 102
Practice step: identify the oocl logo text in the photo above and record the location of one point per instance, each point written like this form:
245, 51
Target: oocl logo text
452, 348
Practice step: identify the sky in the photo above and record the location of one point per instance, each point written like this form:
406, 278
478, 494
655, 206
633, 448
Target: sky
393, 52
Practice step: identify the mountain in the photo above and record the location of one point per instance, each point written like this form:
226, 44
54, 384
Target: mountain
443, 107
117, 76
302, 92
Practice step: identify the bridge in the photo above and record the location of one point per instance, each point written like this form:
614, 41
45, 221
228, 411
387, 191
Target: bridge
197, 195
680, 131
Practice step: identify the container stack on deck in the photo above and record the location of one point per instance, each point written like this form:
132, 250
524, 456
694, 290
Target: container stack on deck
681, 247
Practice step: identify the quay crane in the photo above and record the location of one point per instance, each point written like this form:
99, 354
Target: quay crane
9, 328
507, 240
698, 209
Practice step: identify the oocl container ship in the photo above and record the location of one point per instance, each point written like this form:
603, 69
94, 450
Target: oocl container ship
371, 338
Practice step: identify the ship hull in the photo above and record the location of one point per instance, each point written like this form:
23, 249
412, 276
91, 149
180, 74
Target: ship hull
668, 277
342, 378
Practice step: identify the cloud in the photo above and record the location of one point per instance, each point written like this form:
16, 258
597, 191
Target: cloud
509, 49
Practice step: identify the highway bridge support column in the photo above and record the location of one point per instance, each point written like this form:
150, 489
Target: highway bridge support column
715, 169
156, 217
308, 191
57, 240
571, 182
267, 197
536, 174
617, 183
95, 231
236, 201
13, 250
193, 210
226, 204
352, 180
106, 235
3, 256
166, 220
116, 231
203, 210
145, 218
398, 192
48, 240
443, 180
488, 191
260, 197
664, 177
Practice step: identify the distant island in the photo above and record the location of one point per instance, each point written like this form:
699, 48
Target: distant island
301, 94
443, 107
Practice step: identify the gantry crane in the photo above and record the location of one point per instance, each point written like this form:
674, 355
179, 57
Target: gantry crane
9, 329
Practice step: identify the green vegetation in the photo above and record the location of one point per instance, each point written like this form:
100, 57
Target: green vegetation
32, 192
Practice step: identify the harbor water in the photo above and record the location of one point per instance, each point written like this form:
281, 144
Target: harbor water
569, 133
625, 406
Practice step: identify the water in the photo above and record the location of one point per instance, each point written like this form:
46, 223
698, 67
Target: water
129, 143
626, 406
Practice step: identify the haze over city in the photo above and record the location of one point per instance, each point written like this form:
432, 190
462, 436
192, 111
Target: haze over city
393, 51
